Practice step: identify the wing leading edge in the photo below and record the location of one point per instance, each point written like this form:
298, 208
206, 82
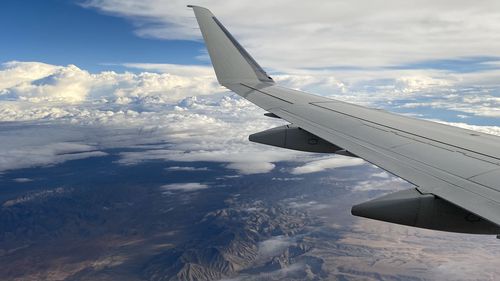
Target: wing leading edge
456, 171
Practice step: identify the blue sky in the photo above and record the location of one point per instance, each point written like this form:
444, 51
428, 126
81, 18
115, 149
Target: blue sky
97, 37
62, 32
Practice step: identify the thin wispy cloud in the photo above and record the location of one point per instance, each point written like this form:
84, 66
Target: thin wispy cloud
320, 165
274, 246
186, 169
185, 187
48, 152
21, 180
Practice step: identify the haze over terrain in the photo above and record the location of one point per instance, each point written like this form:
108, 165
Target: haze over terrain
123, 159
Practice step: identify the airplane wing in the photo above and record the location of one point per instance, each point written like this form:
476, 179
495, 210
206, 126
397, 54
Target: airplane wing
456, 171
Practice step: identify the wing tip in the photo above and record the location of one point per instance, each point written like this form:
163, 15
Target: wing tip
200, 9
236, 64
195, 6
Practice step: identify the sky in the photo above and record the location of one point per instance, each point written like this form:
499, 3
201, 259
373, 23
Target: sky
62, 32
105, 34
132, 79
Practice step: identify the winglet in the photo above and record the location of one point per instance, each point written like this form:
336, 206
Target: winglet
232, 63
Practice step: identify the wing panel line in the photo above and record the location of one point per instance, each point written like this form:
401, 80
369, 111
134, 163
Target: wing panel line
409, 133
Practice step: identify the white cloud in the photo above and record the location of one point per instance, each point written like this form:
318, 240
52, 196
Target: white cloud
37, 196
190, 130
44, 154
274, 246
287, 179
249, 168
59, 84
284, 34
492, 130
241, 155
13, 73
185, 187
328, 163
186, 169
390, 184
21, 180
382, 175
121, 110
189, 71
69, 84
36, 82
311, 205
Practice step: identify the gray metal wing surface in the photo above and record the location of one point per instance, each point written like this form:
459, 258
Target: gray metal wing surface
459, 166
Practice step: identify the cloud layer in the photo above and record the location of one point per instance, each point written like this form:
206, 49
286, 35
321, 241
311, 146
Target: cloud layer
163, 115
301, 34
183, 115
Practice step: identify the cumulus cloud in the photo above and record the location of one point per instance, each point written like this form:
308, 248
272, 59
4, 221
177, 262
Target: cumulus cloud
14, 72
69, 84
36, 82
185, 187
328, 163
